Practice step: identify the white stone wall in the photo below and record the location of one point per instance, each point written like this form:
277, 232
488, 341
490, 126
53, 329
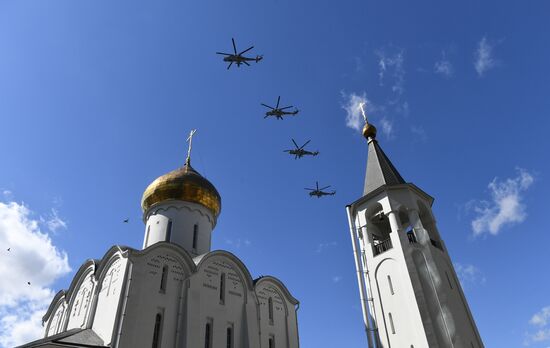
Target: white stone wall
108, 299
55, 325
81, 302
183, 217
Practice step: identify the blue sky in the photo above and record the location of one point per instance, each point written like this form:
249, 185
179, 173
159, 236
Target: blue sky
97, 99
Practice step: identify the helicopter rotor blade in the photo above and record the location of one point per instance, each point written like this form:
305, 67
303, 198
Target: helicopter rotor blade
225, 54
309, 189
248, 49
245, 62
295, 144
278, 100
307, 142
267, 106
234, 47
317, 184
324, 188
286, 107
229, 66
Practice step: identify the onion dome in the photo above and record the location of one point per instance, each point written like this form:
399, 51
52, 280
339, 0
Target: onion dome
183, 184
369, 131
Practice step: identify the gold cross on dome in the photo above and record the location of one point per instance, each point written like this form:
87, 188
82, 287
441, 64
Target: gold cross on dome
190, 140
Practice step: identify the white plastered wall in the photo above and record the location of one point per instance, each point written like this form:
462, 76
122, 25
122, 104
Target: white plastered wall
81, 302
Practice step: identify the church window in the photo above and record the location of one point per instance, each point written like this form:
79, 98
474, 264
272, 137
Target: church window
390, 285
164, 278
156, 332
169, 231
391, 323
208, 335
270, 310
229, 337
222, 288
271, 342
448, 279
195, 235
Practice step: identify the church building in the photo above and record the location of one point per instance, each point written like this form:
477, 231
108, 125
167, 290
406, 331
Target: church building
174, 292
409, 290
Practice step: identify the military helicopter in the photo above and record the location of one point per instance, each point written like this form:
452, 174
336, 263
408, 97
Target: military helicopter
319, 192
299, 151
278, 112
238, 58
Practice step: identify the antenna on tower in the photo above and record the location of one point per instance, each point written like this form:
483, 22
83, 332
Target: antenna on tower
190, 141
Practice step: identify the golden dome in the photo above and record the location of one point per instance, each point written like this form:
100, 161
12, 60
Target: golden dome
369, 131
184, 184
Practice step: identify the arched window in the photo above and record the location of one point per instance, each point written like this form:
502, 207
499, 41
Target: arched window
391, 323
169, 231
156, 332
208, 335
270, 310
229, 337
271, 342
195, 236
222, 288
164, 278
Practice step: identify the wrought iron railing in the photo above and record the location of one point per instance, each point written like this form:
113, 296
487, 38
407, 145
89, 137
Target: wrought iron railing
383, 246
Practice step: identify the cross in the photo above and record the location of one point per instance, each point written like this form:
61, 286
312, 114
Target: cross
190, 140
363, 111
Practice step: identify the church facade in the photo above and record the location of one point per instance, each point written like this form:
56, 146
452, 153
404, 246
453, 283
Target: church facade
409, 290
175, 292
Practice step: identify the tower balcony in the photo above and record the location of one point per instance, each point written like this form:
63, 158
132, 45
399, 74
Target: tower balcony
382, 247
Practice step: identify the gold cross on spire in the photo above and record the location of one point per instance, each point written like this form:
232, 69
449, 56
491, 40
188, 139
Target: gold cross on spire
363, 111
190, 140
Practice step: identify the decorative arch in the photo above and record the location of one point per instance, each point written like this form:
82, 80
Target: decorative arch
163, 206
114, 253
243, 273
280, 289
84, 270
60, 296
181, 254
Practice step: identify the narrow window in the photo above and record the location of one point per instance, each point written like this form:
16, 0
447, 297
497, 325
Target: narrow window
230, 337
208, 335
391, 324
448, 279
147, 235
271, 342
222, 288
164, 278
195, 236
156, 332
169, 231
270, 310
390, 284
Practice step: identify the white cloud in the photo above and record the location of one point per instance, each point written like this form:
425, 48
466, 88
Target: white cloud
444, 66
419, 132
506, 206
483, 57
540, 320
469, 275
53, 222
33, 258
324, 246
392, 63
387, 127
238, 243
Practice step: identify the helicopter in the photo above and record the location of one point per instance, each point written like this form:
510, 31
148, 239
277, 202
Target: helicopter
299, 151
319, 191
238, 58
279, 113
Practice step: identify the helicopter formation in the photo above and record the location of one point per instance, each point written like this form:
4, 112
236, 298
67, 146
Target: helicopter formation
279, 113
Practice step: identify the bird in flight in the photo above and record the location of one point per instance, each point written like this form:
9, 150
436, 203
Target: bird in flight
29, 283
126, 221
9, 249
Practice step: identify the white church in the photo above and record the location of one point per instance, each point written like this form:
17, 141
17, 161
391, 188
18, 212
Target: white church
410, 293
175, 291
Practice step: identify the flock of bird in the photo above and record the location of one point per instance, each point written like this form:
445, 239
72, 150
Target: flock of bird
277, 112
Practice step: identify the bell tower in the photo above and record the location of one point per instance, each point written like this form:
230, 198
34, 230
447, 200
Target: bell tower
409, 290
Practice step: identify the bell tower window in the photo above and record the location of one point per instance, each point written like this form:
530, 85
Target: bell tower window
169, 231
